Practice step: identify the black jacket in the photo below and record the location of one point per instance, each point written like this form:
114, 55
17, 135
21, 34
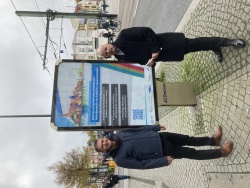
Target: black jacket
140, 148
138, 44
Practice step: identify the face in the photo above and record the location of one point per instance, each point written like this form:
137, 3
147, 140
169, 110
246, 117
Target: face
107, 50
104, 144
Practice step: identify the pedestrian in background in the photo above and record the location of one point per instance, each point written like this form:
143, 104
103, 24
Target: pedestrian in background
114, 179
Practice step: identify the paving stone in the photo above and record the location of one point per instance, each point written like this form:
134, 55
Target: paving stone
247, 99
248, 167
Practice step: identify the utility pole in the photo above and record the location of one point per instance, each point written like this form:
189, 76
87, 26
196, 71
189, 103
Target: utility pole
25, 116
56, 14
51, 15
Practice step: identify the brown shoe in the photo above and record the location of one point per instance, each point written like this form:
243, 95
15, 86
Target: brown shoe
218, 135
227, 149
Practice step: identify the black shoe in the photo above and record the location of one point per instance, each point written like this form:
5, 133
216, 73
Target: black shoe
237, 43
218, 54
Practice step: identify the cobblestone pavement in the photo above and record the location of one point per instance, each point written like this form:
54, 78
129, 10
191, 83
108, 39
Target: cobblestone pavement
223, 96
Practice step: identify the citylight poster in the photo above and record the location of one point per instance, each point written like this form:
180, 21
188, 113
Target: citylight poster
96, 94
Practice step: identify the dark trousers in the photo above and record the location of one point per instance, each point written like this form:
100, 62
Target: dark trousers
205, 44
172, 145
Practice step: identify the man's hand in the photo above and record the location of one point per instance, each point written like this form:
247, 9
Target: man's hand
151, 62
169, 159
162, 128
155, 55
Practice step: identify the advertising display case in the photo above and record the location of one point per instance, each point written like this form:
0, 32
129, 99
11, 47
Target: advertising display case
98, 95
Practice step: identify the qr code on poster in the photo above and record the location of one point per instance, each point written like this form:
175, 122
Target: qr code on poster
137, 114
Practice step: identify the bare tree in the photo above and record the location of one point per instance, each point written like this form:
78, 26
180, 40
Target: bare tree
73, 169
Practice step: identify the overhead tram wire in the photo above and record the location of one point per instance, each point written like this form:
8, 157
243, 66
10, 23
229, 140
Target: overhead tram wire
49, 38
46, 68
62, 31
51, 42
38, 29
41, 56
42, 21
32, 24
60, 39
28, 32
37, 8
64, 42
70, 26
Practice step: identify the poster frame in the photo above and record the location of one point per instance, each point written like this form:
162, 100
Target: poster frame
96, 128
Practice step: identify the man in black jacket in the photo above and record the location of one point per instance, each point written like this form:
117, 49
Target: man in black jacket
142, 45
146, 148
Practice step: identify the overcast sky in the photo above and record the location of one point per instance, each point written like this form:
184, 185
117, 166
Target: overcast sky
29, 145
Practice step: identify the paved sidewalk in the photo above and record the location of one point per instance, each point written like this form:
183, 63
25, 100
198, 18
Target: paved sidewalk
223, 95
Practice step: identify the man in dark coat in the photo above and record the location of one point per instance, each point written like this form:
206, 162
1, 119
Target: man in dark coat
142, 45
146, 148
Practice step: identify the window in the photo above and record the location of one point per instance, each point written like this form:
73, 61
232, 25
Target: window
91, 21
82, 56
80, 41
82, 50
89, 33
82, 21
